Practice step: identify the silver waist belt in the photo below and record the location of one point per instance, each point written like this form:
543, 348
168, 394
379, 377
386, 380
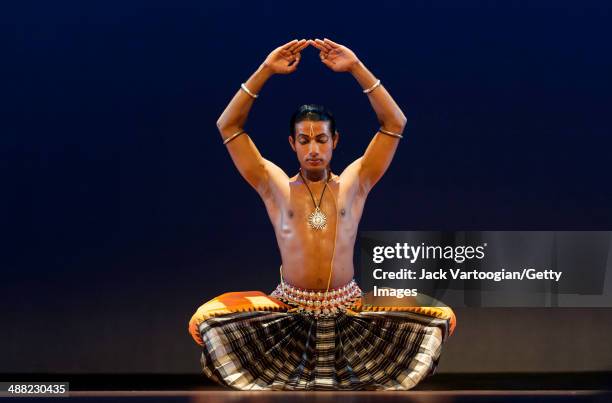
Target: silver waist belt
318, 302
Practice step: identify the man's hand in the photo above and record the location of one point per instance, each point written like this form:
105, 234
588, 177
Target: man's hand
285, 58
335, 56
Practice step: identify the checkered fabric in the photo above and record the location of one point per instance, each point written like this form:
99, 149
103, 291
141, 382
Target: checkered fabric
263, 344
231, 302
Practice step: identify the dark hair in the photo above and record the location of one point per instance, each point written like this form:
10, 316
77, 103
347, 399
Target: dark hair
315, 113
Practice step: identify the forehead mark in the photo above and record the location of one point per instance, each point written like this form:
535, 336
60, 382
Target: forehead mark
312, 134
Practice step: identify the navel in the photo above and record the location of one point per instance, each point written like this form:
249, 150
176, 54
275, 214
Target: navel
342, 212
290, 213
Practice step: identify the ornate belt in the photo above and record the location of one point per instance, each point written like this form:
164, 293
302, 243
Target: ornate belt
318, 302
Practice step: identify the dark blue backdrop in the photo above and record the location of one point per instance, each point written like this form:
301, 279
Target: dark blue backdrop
122, 211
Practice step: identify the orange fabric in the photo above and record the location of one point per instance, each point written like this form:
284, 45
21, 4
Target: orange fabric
434, 311
230, 302
249, 301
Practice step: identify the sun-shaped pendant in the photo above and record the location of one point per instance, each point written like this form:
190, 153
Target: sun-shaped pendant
317, 219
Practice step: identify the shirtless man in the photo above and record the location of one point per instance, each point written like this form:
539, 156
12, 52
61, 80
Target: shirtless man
309, 253
314, 332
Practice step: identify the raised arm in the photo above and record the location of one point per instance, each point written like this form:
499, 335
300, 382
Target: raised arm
252, 166
372, 165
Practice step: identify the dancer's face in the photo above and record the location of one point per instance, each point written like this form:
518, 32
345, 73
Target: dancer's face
313, 144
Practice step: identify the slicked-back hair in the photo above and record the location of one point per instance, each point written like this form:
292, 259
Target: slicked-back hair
313, 113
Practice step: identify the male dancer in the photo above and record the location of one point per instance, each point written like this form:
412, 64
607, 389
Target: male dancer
312, 332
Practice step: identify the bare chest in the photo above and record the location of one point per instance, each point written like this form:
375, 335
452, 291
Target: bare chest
291, 211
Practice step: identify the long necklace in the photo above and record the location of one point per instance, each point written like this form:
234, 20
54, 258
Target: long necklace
317, 219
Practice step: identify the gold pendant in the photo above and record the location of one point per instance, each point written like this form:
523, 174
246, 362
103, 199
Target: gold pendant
317, 219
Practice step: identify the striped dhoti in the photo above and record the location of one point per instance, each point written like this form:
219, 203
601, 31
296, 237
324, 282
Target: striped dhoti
254, 341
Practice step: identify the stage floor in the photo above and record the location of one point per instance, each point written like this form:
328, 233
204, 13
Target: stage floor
441, 388
223, 396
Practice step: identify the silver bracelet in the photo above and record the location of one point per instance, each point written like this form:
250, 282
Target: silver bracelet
399, 136
245, 89
372, 88
233, 136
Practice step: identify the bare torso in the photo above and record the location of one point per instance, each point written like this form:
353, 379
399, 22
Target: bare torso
307, 253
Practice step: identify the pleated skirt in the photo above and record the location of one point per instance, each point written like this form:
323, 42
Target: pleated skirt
267, 350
